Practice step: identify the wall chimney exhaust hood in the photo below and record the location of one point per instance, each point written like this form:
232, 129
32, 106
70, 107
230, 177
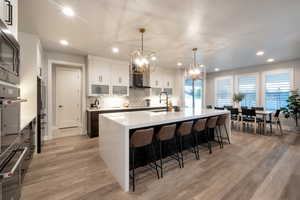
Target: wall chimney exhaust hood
139, 79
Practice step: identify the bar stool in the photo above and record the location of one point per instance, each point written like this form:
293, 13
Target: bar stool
211, 125
141, 138
167, 133
185, 129
222, 123
200, 127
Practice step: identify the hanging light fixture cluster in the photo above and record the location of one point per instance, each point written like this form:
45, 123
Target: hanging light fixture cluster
194, 71
141, 60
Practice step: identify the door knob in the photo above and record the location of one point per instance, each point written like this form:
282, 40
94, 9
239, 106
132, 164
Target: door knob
60, 106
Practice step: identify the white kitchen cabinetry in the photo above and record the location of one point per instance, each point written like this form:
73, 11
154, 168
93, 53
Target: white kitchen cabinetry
156, 79
120, 78
9, 15
120, 74
106, 73
168, 80
99, 71
98, 76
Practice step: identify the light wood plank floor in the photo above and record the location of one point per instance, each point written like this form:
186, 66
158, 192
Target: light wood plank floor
253, 167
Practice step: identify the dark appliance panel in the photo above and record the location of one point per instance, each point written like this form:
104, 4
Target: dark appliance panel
9, 56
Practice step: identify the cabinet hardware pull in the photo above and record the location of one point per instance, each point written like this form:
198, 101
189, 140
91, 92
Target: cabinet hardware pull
9, 21
100, 78
13, 101
12, 171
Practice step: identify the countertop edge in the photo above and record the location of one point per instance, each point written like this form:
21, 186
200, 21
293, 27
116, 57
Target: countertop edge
131, 108
171, 120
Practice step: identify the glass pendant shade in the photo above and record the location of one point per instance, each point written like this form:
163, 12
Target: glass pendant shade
141, 60
195, 71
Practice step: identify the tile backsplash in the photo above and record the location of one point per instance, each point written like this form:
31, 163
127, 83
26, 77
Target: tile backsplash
136, 98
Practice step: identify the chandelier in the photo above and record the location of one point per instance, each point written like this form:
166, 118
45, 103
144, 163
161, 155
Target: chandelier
194, 71
141, 60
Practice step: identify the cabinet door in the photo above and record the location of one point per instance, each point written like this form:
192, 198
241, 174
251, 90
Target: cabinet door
99, 72
120, 74
156, 80
168, 80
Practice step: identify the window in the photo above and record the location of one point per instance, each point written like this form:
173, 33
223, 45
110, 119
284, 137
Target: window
224, 91
247, 86
188, 93
277, 89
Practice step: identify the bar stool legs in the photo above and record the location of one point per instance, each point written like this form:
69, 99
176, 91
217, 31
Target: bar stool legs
208, 140
177, 157
155, 158
149, 163
195, 149
133, 168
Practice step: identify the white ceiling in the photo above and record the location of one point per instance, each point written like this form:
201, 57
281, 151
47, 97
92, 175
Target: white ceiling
228, 33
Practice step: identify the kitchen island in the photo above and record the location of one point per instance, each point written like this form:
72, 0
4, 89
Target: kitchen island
115, 130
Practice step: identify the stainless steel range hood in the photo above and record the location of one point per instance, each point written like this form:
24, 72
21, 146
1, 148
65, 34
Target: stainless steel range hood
138, 79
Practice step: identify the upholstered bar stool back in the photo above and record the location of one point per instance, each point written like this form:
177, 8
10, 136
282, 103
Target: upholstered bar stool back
200, 125
141, 137
222, 120
222, 123
166, 132
212, 122
185, 128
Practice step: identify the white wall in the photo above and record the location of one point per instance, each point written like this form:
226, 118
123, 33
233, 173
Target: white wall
31, 59
210, 81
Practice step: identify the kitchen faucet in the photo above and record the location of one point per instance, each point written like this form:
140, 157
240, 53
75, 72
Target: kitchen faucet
166, 99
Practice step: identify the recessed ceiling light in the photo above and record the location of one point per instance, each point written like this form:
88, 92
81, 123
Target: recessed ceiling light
153, 58
260, 53
68, 11
217, 69
115, 50
271, 60
179, 64
64, 42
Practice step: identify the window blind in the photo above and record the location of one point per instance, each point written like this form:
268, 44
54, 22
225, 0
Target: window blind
277, 90
247, 86
224, 92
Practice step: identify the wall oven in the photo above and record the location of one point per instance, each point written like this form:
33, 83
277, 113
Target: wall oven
9, 56
12, 150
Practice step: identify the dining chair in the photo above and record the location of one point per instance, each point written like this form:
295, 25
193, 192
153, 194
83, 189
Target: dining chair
219, 108
275, 120
258, 108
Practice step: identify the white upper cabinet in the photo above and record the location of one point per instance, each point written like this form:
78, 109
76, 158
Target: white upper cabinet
168, 80
156, 79
107, 77
120, 74
9, 15
98, 71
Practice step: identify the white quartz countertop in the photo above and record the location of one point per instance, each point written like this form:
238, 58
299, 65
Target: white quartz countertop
150, 118
123, 108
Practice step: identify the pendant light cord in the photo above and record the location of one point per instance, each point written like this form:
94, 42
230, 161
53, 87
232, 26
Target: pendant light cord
142, 43
194, 58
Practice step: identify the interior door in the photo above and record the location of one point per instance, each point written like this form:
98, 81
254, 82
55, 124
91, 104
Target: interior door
68, 97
